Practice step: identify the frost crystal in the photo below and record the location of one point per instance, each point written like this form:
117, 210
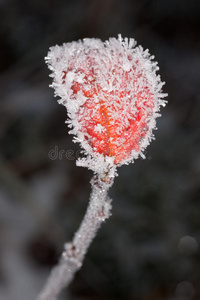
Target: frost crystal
112, 95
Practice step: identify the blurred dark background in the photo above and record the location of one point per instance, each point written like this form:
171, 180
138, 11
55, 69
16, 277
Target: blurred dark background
150, 248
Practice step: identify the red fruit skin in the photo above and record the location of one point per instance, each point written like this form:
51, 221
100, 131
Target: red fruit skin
110, 141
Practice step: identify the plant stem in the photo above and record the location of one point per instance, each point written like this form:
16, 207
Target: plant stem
74, 252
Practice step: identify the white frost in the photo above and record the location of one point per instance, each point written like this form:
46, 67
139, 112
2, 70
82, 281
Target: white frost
99, 128
91, 65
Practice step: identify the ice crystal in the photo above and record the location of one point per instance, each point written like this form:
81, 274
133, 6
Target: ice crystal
112, 95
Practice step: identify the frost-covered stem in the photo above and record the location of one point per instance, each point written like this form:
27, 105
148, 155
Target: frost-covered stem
73, 255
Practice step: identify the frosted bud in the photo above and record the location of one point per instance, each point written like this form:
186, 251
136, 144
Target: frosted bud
112, 95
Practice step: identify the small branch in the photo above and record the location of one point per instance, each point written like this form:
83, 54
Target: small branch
74, 252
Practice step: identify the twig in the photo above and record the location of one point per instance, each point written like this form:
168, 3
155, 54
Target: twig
74, 252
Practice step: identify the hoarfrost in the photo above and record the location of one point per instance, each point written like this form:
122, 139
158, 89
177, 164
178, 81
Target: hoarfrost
112, 95
98, 128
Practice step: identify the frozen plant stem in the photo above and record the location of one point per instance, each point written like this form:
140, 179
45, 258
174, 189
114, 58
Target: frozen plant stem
113, 96
74, 252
